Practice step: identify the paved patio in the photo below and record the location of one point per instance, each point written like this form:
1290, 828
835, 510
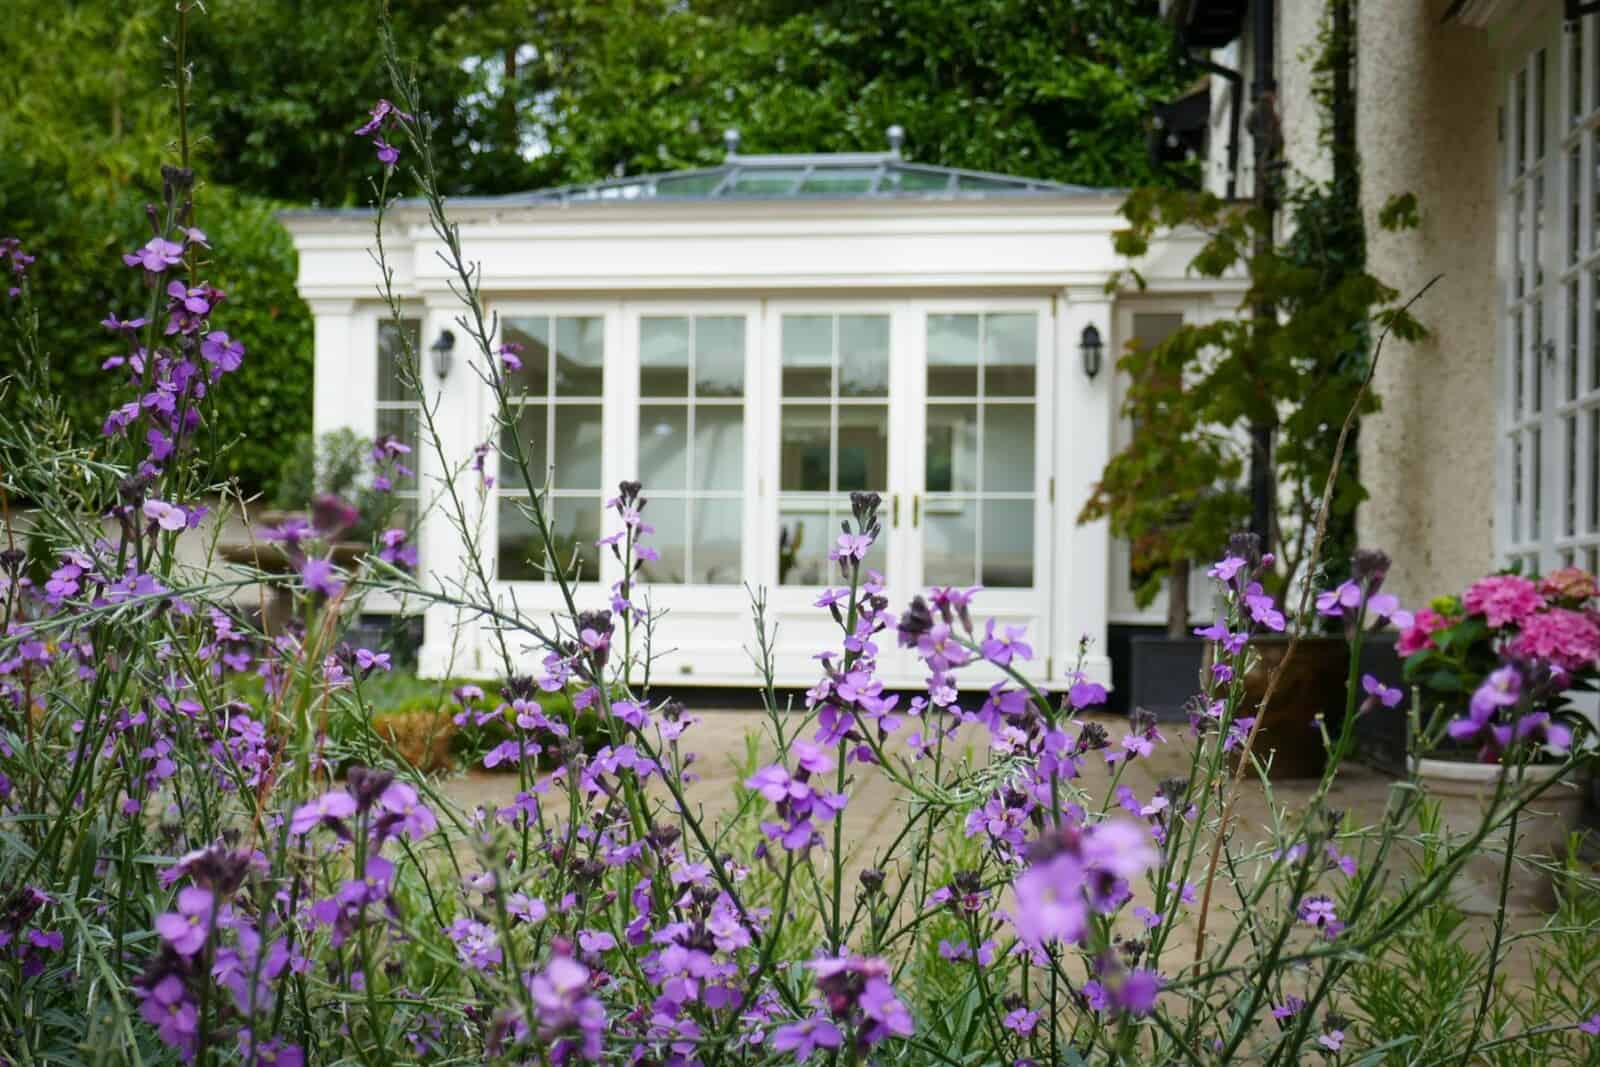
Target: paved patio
874, 814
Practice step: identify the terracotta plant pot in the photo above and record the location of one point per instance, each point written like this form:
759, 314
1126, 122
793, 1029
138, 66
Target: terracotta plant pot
1312, 684
1464, 791
422, 737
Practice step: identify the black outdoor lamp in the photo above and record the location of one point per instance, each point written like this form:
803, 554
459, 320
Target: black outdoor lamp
443, 349
1090, 347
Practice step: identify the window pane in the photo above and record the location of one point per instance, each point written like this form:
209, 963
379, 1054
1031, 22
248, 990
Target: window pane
718, 528
664, 357
580, 354
803, 540
952, 449
949, 542
1516, 488
1008, 448
804, 453
952, 355
718, 447
1594, 470
1569, 433
670, 540
518, 544
1011, 345
577, 528
863, 355
1536, 355
392, 357
663, 446
719, 355
1574, 364
863, 447
534, 337
577, 446
530, 429
1007, 544
807, 355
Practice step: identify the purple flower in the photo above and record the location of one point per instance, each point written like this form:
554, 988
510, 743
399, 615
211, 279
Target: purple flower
330, 807
222, 351
169, 517
1086, 693
319, 577
1224, 569
373, 885
888, 1014
1591, 1025
1021, 1020
1335, 602
565, 1006
402, 809
169, 1009
1383, 694
156, 256
1333, 1040
187, 928
369, 661
806, 1036
1074, 870
476, 944
388, 154
383, 113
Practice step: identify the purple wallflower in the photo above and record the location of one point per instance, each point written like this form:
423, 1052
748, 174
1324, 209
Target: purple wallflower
330, 807
319, 576
187, 928
1382, 694
476, 944
169, 517
222, 351
806, 1036
168, 1007
157, 255
1077, 869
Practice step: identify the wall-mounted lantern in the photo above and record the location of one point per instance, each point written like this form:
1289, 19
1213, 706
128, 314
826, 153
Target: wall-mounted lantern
1090, 348
443, 353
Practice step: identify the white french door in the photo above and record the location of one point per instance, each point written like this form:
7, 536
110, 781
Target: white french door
750, 423
935, 405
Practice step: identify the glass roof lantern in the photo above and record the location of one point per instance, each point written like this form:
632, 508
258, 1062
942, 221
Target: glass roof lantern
835, 175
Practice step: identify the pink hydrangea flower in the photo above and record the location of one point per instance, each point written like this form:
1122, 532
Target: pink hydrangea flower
1569, 639
1504, 599
1419, 635
1569, 583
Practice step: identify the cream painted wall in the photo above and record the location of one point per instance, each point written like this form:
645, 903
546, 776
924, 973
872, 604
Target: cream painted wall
1426, 122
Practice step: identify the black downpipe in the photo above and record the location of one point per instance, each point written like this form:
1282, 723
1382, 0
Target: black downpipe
1265, 139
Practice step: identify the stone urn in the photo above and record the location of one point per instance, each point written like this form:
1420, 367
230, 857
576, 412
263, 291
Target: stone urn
1464, 791
1312, 685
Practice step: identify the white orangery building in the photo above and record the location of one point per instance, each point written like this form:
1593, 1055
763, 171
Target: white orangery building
752, 342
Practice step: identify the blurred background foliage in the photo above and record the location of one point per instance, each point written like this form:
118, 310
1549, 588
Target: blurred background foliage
526, 94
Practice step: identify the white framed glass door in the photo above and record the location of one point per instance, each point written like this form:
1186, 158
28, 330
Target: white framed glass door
939, 406
980, 481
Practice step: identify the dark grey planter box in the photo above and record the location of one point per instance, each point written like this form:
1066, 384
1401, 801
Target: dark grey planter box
1164, 674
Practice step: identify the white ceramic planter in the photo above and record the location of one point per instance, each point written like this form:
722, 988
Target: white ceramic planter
1464, 792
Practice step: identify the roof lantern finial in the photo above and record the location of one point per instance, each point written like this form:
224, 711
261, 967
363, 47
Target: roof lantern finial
730, 140
897, 137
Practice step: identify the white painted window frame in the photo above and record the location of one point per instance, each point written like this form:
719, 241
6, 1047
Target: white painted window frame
1547, 496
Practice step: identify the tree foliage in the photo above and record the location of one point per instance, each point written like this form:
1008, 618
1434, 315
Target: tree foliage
524, 96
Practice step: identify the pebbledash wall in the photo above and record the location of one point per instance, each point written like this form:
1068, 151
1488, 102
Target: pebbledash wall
1485, 451
753, 341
